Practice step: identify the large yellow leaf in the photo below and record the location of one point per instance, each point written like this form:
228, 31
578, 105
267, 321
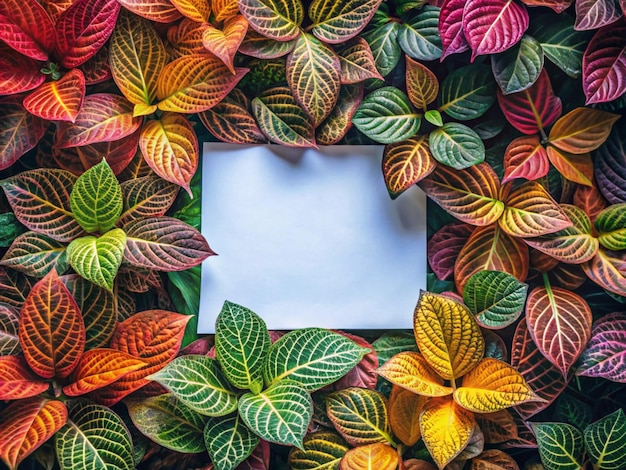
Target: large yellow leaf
379, 456
447, 334
411, 371
225, 42
446, 429
491, 386
405, 408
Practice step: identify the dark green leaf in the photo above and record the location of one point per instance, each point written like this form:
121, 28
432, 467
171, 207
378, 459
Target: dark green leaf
456, 145
468, 92
419, 37
229, 441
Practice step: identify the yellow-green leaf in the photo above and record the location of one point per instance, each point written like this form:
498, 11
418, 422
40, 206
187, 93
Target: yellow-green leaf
411, 371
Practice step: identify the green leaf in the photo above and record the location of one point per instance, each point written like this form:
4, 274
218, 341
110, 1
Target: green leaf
97, 259
96, 199
434, 117
456, 145
280, 414
390, 344
419, 37
312, 357
35, 254
336, 22
519, 67
198, 382
560, 446
322, 450
383, 42
386, 116
229, 441
11, 228
605, 441
496, 298
241, 345
611, 225
169, 423
468, 92
573, 411
94, 437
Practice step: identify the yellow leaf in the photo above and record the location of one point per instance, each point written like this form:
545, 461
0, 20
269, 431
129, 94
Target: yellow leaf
491, 386
141, 109
446, 429
196, 10
411, 371
379, 456
447, 335
224, 43
223, 9
405, 408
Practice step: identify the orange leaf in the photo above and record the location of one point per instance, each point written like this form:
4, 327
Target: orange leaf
379, 456
446, 429
161, 11
525, 157
411, 371
196, 10
58, 100
422, 85
493, 385
405, 408
577, 168
405, 163
447, 335
223, 9
195, 83
582, 130
494, 459
185, 38
170, 146
100, 367
17, 381
27, 424
606, 269
224, 43
52, 333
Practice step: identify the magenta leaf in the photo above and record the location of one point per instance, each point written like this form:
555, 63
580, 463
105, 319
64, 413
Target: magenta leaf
605, 354
594, 14
27, 28
604, 64
492, 26
18, 73
445, 246
451, 28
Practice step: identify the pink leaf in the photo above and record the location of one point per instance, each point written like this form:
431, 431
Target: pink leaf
27, 28
605, 355
18, 73
445, 246
594, 14
525, 157
362, 375
451, 27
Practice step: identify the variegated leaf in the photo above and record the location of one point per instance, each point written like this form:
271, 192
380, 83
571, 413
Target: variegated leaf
611, 226
149, 196
59, 100
27, 28
223, 9
519, 67
411, 371
456, 145
577, 168
338, 123
419, 37
262, 47
406, 163
605, 270
336, 22
17, 381
405, 408
161, 11
196, 10
467, 92
323, 449
380, 456
20, 131
525, 157
229, 441
604, 354
35, 255
224, 43
582, 130
560, 445
356, 61
421, 83
605, 440
276, 19
9, 326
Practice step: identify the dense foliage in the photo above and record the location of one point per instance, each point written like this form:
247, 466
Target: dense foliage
505, 112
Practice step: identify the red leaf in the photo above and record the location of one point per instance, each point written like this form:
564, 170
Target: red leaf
59, 100
493, 26
594, 14
83, 29
118, 154
27, 28
362, 375
445, 246
532, 110
17, 381
525, 157
590, 199
52, 333
259, 459
19, 131
451, 27
497, 427
18, 73
97, 69
604, 64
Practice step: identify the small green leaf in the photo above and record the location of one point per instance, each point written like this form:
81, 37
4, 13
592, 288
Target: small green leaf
386, 116
519, 67
241, 345
468, 92
280, 414
312, 357
229, 441
96, 199
198, 382
605, 441
323, 450
434, 117
456, 145
11, 228
419, 37
560, 446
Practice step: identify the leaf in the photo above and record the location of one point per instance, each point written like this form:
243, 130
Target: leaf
422, 84
467, 92
228, 441
17, 382
451, 27
444, 247
35, 255
611, 226
356, 61
27, 424
360, 415
594, 15
281, 118
261, 47
446, 429
385, 115
137, 58
405, 163
497, 427
470, 195
604, 63
496, 298
58, 100
223, 9
525, 157
604, 355
519, 67
392, 343
494, 459
384, 44
559, 6
605, 440
164, 243
51, 333
313, 74
311, 357
196, 10
559, 322
380, 456
241, 346
20, 131
610, 165
149, 196
582, 130
9, 326
224, 43
276, 19
405, 408
195, 83
14, 287
575, 168
97, 259
532, 110
28, 29
449, 350
560, 445
338, 123
281, 413
337, 22
321, 449
169, 423
603, 269
198, 382
456, 145
83, 28
411, 371
419, 37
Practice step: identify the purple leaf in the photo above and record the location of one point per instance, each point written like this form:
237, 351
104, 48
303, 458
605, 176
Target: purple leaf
605, 354
594, 14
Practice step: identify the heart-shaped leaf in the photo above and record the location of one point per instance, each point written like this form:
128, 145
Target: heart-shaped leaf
149, 196
467, 92
380, 456
456, 145
451, 28
337, 22
9, 326
58, 100
20, 131
356, 61
605, 440
560, 445
338, 123
384, 44
275, 19
27, 28
169, 423
525, 157
225, 42
321, 449
281, 413
405, 163
35, 255
17, 381
411, 371
422, 84
198, 382
594, 15
604, 354
228, 441
419, 37
519, 67
405, 408
582, 130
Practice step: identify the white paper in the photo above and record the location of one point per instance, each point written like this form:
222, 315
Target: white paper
309, 238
